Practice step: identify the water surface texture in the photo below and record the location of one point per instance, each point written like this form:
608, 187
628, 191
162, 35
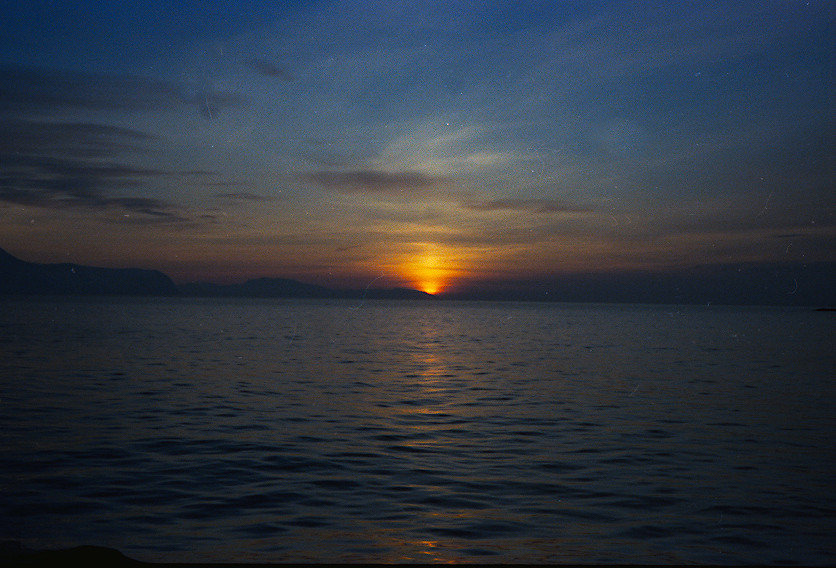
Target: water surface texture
193, 430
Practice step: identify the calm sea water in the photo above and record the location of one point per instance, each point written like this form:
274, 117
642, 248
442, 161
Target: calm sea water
281, 431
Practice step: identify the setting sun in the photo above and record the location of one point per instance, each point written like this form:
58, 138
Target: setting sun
429, 287
427, 272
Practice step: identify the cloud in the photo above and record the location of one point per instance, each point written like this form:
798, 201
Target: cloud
88, 197
36, 90
242, 195
61, 183
531, 205
70, 139
433, 145
144, 205
78, 165
373, 180
269, 69
56, 170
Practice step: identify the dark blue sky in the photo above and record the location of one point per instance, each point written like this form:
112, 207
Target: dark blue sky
430, 144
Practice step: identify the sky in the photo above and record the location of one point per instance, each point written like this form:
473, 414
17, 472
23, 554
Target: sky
433, 145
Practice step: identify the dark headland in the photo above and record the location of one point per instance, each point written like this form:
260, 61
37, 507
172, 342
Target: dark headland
18, 277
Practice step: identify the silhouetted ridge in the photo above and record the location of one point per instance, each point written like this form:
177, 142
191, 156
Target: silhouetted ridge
287, 288
392, 294
800, 284
8, 260
259, 288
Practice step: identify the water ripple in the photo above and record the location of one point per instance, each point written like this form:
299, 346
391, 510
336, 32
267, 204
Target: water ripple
307, 432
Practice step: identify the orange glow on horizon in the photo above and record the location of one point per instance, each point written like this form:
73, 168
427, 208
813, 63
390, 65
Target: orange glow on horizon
430, 288
427, 272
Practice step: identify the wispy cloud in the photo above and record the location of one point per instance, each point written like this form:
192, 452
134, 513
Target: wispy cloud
530, 205
242, 196
375, 181
433, 145
83, 166
36, 90
63, 183
269, 69
70, 139
76, 166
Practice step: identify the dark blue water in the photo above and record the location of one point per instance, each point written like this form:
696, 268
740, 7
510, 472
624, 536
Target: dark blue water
287, 431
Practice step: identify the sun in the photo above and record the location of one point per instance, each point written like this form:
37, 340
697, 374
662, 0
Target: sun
430, 288
427, 272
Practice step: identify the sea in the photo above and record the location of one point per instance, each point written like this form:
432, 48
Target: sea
337, 431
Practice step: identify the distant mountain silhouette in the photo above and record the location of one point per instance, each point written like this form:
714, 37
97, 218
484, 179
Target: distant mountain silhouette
18, 277
258, 288
286, 288
390, 294
800, 284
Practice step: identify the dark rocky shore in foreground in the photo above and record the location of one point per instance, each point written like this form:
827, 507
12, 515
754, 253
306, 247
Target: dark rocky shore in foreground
15, 554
